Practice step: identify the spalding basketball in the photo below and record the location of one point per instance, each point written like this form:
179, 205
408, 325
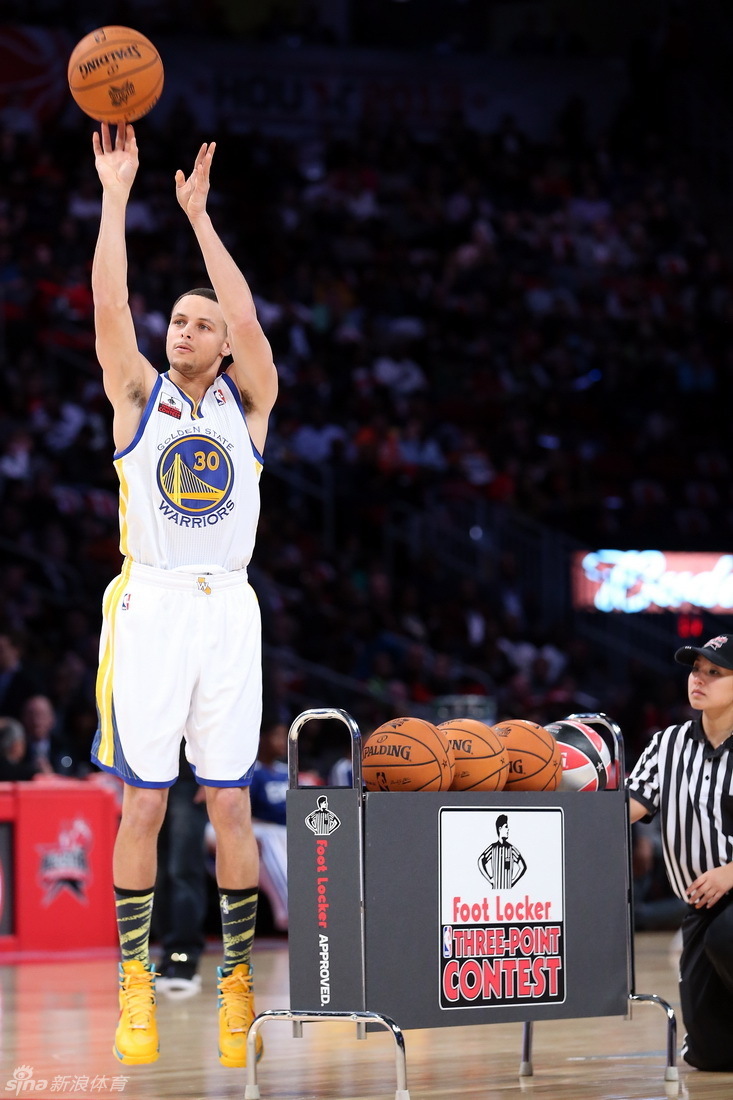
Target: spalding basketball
585, 756
407, 754
482, 761
535, 763
115, 74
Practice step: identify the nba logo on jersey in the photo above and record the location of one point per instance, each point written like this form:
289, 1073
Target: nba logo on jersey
220, 396
170, 405
126, 601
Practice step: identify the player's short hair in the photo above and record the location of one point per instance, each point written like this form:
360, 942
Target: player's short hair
200, 291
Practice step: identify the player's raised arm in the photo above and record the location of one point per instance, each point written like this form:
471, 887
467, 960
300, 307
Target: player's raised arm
252, 370
127, 374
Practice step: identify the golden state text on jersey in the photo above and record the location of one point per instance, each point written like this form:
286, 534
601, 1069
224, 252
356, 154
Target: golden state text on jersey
189, 481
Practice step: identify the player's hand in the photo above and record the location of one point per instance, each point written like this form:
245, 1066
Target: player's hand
710, 887
116, 161
192, 192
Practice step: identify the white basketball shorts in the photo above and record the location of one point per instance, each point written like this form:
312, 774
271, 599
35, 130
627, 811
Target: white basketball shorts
180, 656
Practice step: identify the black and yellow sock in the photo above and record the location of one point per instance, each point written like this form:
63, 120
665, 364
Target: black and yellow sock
238, 914
134, 913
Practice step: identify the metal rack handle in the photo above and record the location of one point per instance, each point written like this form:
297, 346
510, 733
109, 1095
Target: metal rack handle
319, 714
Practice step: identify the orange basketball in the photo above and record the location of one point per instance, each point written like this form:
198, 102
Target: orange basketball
482, 760
115, 74
535, 763
407, 754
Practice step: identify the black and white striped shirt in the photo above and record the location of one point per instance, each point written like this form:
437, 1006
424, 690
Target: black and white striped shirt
502, 864
681, 776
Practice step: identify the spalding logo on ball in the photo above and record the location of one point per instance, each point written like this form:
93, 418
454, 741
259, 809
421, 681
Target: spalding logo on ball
407, 754
115, 74
586, 760
482, 761
534, 755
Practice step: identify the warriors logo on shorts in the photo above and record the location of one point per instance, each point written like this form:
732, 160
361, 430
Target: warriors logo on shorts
195, 475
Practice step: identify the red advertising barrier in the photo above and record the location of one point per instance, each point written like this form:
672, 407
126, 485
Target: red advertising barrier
56, 841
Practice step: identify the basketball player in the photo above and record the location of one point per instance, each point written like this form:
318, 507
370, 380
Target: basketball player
180, 650
685, 774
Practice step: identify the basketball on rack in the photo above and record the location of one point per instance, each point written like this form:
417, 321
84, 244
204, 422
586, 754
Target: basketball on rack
535, 763
482, 761
115, 74
407, 754
585, 757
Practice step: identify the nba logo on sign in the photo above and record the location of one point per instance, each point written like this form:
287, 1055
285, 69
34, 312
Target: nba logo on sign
447, 941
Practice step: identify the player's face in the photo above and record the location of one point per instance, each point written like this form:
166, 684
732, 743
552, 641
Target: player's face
196, 338
710, 687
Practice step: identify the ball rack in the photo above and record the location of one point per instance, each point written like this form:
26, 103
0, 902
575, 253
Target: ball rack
372, 939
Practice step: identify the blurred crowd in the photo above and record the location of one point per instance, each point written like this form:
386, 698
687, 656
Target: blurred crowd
540, 326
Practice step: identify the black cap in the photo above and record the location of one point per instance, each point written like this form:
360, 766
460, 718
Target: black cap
719, 651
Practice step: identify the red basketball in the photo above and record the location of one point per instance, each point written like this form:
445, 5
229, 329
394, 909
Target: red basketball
585, 756
407, 754
482, 761
535, 763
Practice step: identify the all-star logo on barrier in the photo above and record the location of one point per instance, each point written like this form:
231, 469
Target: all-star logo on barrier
64, 865
505, 944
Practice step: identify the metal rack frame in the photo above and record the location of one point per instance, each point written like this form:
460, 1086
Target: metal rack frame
361, 1016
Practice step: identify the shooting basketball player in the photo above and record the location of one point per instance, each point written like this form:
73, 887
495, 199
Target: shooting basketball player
180, 650
685, 774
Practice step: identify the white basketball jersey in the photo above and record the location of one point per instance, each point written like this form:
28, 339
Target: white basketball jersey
189, 481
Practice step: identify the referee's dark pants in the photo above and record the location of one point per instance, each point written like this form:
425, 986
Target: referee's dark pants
706, 986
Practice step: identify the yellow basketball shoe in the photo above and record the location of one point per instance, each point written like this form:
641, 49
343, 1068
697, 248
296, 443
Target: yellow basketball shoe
236, 1013
136, 1038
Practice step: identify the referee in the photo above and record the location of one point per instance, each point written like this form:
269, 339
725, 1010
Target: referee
686, 775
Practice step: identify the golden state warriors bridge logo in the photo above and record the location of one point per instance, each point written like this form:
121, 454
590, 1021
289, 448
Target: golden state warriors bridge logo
195, 476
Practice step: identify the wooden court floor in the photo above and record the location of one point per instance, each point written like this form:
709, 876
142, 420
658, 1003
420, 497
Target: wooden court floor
58, 1020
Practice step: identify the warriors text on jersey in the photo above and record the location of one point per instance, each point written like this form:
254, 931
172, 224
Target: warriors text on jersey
189, 481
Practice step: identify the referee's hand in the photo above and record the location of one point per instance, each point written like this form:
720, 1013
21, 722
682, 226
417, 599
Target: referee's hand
710, 887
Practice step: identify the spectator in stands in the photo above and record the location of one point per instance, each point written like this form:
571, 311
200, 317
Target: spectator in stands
14, 764
46, 748
269, 787
16, 682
